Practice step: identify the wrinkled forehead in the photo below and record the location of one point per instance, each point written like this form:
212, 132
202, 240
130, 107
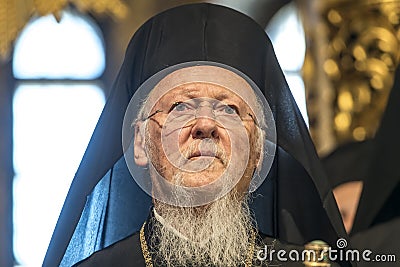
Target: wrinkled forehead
205, 74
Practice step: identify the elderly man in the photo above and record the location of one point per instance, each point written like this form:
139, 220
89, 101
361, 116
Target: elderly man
211, 146
198, 131
212, 134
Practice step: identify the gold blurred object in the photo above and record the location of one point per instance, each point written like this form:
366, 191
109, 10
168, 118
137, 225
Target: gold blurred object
15, 14
353, 48
317, 254
115, 8
45, 7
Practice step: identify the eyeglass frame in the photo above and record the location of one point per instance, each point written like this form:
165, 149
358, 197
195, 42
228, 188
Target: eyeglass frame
178, 102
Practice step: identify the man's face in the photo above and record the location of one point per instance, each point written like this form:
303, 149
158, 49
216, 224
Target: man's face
347, 196
198, 130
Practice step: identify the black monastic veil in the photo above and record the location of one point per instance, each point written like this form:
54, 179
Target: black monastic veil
104, 204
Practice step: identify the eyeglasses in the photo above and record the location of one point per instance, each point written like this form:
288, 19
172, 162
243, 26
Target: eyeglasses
180, 114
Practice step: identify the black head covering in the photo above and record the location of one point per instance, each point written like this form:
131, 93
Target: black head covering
104, 204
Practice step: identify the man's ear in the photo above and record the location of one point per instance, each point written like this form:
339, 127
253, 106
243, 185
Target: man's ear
259, 144
139, 148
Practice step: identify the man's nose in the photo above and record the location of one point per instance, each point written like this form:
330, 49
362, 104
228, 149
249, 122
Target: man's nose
205, 125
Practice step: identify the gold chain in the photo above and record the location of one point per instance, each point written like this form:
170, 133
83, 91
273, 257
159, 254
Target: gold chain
147, 256
249, 259
145, 250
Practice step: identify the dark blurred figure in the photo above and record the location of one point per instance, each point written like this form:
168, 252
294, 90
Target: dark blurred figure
347, 168
366, 181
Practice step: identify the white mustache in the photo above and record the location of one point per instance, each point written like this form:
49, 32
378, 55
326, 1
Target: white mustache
207, 149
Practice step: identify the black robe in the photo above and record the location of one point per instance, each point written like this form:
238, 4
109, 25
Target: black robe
128, 252
104, 204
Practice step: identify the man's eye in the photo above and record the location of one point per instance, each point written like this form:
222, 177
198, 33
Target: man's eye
179, 106
230, 110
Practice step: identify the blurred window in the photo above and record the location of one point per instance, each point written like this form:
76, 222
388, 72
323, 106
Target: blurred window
57, 102
286, 32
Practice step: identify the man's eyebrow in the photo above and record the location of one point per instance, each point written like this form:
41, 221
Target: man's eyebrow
222, 96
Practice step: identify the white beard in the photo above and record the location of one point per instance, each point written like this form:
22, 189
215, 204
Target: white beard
213, 235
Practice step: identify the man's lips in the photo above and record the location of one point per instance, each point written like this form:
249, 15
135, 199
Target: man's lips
208, 154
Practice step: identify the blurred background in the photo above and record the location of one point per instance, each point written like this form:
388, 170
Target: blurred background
58, 59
